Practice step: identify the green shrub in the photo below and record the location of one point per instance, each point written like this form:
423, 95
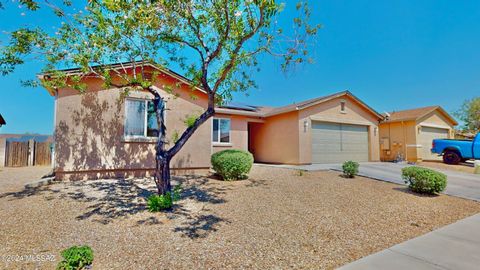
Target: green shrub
75, 258
350, 169
423, 180
232, 164
156, 203
301, 172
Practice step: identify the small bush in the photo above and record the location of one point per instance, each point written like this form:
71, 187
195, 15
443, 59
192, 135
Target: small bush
423, 180
156, 203
75, 258
350, 169
232, 164
301, 172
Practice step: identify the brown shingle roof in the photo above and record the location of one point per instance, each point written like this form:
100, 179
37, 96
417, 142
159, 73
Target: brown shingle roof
418, 113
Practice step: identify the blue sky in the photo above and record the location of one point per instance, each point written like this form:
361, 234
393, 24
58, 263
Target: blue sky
392, 54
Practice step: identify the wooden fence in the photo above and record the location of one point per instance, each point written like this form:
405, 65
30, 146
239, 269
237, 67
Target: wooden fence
16, 154
20, 154
43, 154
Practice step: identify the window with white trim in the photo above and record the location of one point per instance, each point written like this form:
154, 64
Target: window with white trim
221, 130
140, 118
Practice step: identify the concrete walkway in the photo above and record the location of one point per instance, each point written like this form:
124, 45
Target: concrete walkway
456, 246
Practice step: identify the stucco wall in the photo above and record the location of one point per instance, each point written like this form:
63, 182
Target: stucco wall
276, 140
90, 127
402, 138
238, 134
330, 111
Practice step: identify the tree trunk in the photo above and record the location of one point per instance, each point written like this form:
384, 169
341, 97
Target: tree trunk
164, 156
162, 175
162, 159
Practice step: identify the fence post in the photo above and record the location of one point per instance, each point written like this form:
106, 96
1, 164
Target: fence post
3, 150
31, 152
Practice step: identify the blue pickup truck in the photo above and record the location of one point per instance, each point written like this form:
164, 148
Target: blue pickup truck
456, 151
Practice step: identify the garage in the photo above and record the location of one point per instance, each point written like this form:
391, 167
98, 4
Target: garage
427, 135
409, 134
337, 142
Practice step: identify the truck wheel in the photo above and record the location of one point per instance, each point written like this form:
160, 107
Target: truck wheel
451, 157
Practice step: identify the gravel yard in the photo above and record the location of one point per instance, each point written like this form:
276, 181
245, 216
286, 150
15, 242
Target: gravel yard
12, 178
277, 219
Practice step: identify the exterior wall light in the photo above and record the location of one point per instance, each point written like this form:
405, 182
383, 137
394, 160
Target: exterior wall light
305, 126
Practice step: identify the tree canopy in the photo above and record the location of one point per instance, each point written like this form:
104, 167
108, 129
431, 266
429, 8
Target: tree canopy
469, 114
215, 43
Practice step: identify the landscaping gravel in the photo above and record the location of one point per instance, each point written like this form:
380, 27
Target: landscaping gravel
276, 220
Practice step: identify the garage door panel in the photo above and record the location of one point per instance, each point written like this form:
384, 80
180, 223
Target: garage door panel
427, 135
335, 142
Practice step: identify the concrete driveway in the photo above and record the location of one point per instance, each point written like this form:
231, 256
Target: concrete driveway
460, 184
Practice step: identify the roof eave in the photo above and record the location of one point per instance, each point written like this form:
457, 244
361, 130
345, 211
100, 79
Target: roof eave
76, 71
345, 93
237, 112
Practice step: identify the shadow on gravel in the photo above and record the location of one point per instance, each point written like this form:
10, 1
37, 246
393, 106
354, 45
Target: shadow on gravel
109, 200
408, 191
200, 226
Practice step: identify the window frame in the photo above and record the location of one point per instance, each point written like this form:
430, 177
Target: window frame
219, 132
145, 121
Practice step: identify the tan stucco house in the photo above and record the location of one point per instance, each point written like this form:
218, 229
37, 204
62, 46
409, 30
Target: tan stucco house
408, 134
100, 134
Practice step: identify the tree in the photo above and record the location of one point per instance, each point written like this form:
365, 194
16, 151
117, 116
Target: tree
469, 114
216, 43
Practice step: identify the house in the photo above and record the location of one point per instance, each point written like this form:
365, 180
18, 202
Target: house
2, 121
100, 134
408, 134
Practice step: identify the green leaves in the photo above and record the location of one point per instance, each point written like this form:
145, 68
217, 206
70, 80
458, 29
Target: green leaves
469, 114
31, 5
76, 258
216, 44
190, 120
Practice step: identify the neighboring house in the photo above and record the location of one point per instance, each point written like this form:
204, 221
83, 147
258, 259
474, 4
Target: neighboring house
2, 121
408, 134
99, 134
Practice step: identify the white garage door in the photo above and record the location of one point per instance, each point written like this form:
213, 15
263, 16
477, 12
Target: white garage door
427, 135
334, 142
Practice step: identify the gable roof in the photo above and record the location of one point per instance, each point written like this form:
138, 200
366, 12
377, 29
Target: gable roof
416, 114
2, 121
123, 65
312, 102
265, 111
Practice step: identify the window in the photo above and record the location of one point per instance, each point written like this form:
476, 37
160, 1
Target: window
140, 118
342, 106
221, 130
